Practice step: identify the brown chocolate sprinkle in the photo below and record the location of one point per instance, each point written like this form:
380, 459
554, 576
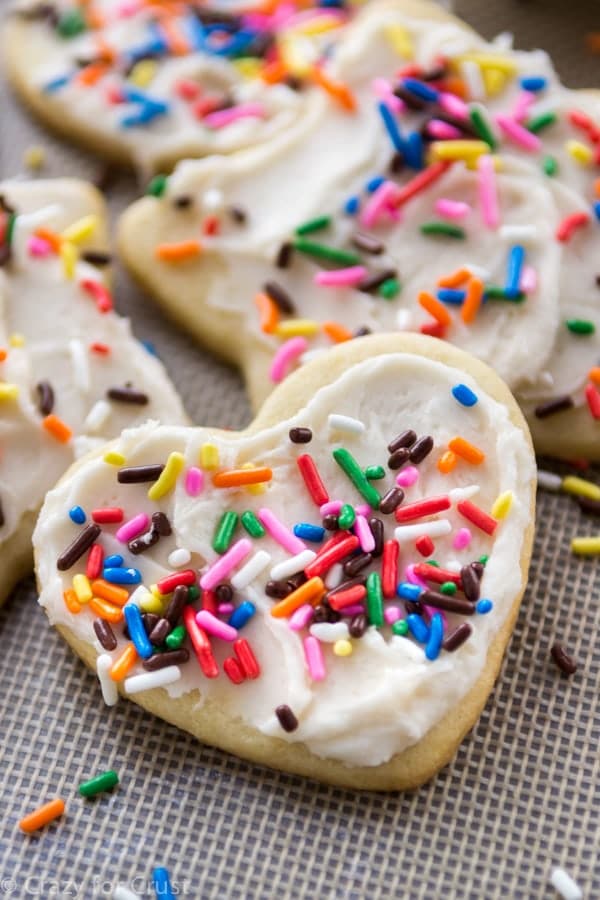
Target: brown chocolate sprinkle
162, 524
169, 658
352, 582
390, 501
144, 541
287, 719
397, 164
127, 395
105, 634
470, 583
280, 297
562, 659
357, 626
176, 604
376, 279
300, 435
457, 637
411, 100
398, 458
84, 540
184, 201
447, 602
356, 564
363, 331
150, 621
421, 449
330, 522
284, 256
97, 258
376, 526
404, 439
45, 397
367, 243
478, 568
556, 405
239, 215
139, 474
277, 590
224, 593
160, 632
5, 254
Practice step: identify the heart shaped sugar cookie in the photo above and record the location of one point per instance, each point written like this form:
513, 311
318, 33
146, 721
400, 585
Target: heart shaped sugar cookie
457, 199
72, 375
330, 591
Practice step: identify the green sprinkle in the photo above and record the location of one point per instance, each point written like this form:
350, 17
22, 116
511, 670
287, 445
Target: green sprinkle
224, 531
443, 229
495, 292
71, 23
483, 559
482, 126
400, 627
333, 254
348, 464
538, 123
374, 473
389, 289
252, 525
193, 593
104, 782
157, 186
550, 165
448, 587
433, 562
347, 517
176, 638
316, 224
374, 600
580, 326
10, 228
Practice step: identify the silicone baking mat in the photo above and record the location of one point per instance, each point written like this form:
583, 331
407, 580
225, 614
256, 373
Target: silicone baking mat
520, 797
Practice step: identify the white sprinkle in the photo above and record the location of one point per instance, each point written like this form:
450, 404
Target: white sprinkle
479, 271
453, 565
110, 694
141, 593
346, 424
404, 320
149, 680
249, 572
522, 233
437, 528
330, 632
26, 222
548, 481
464, 493
123, 893
81, 365
213, 199
334, 576
97, 416
472, 74
292, 565
504, 41
179, 557
562, 882
311, 354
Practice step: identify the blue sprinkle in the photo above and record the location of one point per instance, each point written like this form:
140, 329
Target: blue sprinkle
436, 636
113, 562
307, 532
534, 83
352, 206
515, 267
116, 575
451, 295
464, 395
597, 209
137, 632
391, 126
162, 884
421, 90
77, 515
375, 182
56, 84
150, 348
418, 628
408, 591
413, 151
195, 32
242, 614
484, 606
146, 114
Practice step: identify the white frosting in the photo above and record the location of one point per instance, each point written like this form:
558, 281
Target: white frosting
58, 322
386, 695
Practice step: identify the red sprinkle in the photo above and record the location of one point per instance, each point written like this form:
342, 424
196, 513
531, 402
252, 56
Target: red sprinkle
348, 597
580, 120
102, 349
211, 225
99, 292
187, 90
200, 643
477, 516
312, 479
246, 658
108, 515
433, 329
425, 545
94, 562
569, 226
233, 670
389, 569
329, 555
439, 576
209, 601
168, 584
592, 395
421, 181
420, 508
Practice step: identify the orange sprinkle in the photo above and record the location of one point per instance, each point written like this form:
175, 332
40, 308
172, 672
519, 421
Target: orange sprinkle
447, 462
594, 375
241, 477
336, 332
3, 354
336, 89
177, 43
42, 816
472, 301
71, 601
118, 596
273, 72
91, 74
124, 662
51, 237
435, 308
455, 279
309, 592
104, 51
178, 252
106, 611
455, 85
57, 428
465, 450
269, 314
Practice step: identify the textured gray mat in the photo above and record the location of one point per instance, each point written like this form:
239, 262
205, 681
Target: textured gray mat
521, 796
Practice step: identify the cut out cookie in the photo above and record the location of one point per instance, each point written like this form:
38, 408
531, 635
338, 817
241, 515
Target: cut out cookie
400, 216
149, 84
72, 374
276, 672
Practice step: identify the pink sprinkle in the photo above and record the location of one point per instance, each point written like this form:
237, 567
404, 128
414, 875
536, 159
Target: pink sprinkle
309, 15
409, 573
430, 611
529, 280
301, 617
194, 481
523, 104
37, 246
383, 89
381, 202
331, 508
132, 528
452, 104
408, 476
462, 539
225, 609
391, 614
224, 565
452, 209
341, 277
488, 195
355, 610
284, 537
314, 658
214, 626
223, 117
364, 534
127, 8
285, 356
442, 131
519, 135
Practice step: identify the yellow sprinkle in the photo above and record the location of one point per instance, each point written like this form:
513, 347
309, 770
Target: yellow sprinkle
449, 150
581, 153
319, 25
9, 391
296, 327
579, 486
143, 73
493, 80
155, 592
209, 456
502, 64
586, 546
82, 588
169, 476
151, 604
497, 162
247, 66
80, 230
253, 488
342, 648
16, 340
34, 157
297, 56
502, 505
68, 255
399, 40
114, 459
